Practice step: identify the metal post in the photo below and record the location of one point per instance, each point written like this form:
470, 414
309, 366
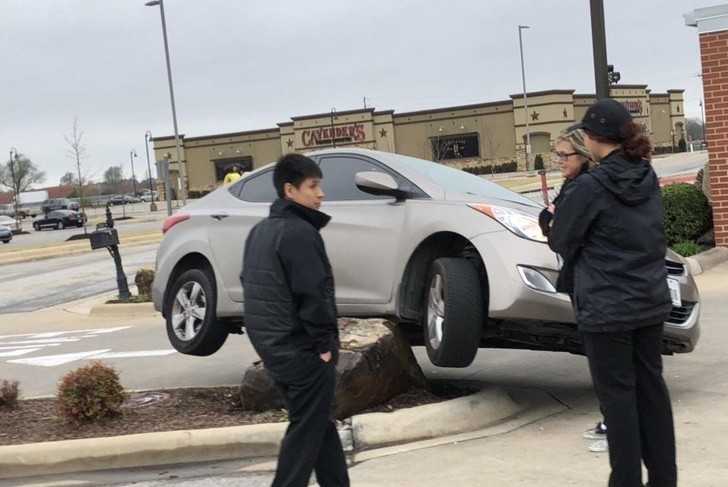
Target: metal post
599, 44
180, 163
16, 186
702, 119
525, 95
132, 155
153, 206
164, 165
121, 282
333, 132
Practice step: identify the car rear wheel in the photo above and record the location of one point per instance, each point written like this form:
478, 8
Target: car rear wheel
192, 325
36, 227
454, 313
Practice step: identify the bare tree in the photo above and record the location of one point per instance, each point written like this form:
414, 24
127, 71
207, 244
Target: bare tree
77, 151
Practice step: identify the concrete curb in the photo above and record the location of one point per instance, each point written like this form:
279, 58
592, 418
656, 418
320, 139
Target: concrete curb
123, 310
461, 415
706, 260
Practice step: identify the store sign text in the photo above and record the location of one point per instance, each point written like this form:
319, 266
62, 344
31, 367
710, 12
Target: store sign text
345, 133
633, 106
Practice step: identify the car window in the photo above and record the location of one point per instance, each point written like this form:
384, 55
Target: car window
259, 189
339, 173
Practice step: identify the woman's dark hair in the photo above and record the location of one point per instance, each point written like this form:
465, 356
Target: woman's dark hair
635, 144
295, 169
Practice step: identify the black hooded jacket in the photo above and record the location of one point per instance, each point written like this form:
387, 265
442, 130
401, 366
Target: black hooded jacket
288, 286
609, 227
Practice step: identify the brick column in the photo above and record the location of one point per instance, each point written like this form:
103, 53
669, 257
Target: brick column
712, 25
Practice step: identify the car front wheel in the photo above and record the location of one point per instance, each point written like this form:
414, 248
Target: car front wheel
454, 313
192, 325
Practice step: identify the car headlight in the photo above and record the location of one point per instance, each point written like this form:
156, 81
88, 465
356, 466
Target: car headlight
520, 223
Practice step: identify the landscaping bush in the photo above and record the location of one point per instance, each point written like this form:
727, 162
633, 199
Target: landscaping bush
9, 394
686, 249
687, 213
493, 169
143, 280
90, 393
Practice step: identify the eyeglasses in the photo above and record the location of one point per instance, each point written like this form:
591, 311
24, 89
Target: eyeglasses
562, 156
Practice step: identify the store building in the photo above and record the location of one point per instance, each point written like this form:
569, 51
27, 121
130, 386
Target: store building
485, 134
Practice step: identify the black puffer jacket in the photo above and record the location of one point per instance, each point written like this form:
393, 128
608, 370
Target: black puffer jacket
609, 226
289, 286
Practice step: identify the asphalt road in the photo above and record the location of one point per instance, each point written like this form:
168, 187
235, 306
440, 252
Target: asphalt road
683, 163
35, 285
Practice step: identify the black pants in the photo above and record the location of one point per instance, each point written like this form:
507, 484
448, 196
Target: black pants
311, 441
626, 368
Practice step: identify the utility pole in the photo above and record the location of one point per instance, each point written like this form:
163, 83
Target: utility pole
16, 185
132, 155
333, 131
525, 96
599, 44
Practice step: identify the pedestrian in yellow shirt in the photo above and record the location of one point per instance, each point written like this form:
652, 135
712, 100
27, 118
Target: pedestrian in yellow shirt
232, 175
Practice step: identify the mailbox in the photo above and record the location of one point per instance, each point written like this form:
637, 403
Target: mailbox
103, 238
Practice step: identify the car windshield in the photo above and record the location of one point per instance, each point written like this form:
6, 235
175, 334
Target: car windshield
457, 181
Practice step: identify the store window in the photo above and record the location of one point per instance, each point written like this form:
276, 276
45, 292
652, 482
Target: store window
222, 166
455, 147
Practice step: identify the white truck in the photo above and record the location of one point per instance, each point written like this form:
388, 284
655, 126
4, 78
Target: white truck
30, 203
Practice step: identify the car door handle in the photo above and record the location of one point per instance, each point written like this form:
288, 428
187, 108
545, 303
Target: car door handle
219, 216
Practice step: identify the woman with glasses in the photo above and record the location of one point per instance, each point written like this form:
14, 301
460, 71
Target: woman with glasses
574, 159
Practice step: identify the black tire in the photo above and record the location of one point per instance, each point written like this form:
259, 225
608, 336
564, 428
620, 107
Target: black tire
211, 334
6, 241
36, 227
463, 313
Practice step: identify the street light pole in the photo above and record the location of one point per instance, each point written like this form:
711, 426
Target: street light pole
180, 164
132, 155
147, 137
16, 186
333, 131
599, 45
525, 96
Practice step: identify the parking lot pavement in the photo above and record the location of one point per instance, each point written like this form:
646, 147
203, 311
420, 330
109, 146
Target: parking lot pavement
35, 285
37, 349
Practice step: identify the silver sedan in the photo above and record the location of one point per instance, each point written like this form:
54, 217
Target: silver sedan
459, 262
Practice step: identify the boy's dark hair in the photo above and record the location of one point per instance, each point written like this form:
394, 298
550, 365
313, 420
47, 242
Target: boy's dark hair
294, 168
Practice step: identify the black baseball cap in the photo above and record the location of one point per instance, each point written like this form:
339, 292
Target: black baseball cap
606, 118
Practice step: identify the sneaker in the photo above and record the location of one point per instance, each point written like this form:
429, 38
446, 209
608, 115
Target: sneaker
599, 432
599, 446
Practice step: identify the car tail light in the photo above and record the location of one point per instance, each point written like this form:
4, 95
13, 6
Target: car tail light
173, 220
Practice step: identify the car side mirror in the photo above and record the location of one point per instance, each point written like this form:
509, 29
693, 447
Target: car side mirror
378, 183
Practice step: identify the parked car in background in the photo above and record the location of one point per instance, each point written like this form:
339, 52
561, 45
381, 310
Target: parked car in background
123, 199
10, 223
148, 196
457, 261
59, 219
60, 204
6, 235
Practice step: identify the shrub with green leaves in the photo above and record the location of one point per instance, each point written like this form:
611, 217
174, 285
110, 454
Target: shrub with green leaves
687, 213
9, 394
686, 249
90, 393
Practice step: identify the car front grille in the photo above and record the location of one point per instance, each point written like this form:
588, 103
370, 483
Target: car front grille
680, 314
674, 268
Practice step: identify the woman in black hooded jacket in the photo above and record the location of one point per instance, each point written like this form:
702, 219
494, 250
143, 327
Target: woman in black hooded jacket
609, 225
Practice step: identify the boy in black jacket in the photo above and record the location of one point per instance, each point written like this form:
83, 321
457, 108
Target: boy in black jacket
290, 318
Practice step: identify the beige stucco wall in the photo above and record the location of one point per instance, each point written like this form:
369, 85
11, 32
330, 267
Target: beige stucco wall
660, 118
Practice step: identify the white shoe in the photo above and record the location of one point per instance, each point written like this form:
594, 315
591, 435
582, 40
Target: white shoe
599, 446
599, 432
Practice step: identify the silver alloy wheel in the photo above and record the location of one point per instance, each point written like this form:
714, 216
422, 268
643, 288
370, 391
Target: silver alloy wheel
188, 310
435, 311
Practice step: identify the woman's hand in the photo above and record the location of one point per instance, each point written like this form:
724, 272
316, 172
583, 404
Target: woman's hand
326, 357
552, 208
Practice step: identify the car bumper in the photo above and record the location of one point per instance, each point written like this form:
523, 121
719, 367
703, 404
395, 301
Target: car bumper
518, 295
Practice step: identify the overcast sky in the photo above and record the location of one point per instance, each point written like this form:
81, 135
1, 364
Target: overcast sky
249, 65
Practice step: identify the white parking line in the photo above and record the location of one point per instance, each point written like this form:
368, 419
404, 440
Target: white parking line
17, 353
53, 360
19, 347
140, 353
52, 334
44, 342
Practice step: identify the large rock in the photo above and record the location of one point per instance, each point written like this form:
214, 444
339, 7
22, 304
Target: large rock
376, 363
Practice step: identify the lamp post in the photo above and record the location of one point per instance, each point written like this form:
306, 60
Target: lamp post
525, 96
147, 138
182, 166
599, 46
132, 155
333, 131
16, 186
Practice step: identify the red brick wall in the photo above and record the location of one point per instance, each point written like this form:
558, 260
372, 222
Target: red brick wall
714, 57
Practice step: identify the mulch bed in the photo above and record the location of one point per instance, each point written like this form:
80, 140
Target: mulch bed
36, 420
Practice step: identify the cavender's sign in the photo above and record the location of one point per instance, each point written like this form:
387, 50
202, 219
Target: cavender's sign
345, 133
